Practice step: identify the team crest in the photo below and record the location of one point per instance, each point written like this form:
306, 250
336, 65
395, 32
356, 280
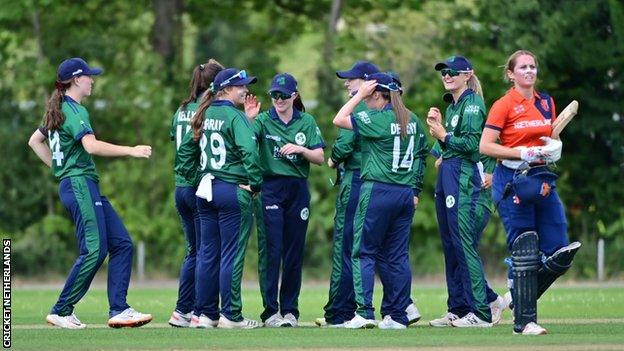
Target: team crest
281, 81
300, 138
518, 109
305, 213
454, 121
450, 201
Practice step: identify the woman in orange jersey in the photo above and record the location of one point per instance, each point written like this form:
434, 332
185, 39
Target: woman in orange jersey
517, 132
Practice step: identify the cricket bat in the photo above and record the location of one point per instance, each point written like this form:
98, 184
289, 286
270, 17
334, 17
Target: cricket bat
564, 118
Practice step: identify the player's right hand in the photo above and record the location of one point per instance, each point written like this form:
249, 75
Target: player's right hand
434, 116
141, 151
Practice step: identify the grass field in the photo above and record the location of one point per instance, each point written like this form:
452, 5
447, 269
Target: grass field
578, 318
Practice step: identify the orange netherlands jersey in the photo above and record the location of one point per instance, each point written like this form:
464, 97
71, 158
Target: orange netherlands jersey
522, 122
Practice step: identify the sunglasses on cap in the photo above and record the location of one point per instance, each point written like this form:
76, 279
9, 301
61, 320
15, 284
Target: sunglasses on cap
451, 72
241, 75
278, 95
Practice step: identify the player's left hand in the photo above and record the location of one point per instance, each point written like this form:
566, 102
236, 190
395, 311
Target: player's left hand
290, 149
252, 106
552, 147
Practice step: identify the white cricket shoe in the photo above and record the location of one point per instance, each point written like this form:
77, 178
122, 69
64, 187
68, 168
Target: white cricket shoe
470, 321
129, 318
202, 322
389, 323
444, 321
496, 308
359, 322
289, 320
275, 321
180, 320
532, 329
225, 323
65, 322
413, 315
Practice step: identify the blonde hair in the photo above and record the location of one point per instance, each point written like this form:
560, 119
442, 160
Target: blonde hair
511, 62
475, 85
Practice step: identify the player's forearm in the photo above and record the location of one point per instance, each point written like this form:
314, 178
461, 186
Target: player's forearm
498, 151
102, 148
42, 151
315, 156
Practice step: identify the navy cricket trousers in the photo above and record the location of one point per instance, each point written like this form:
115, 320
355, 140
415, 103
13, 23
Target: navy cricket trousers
186, 205
282, 214
99, 232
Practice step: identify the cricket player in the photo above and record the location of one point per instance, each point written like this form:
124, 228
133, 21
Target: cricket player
230, 173
185, 169
517, 132
462, 200
289, 140
392, 171
99, 230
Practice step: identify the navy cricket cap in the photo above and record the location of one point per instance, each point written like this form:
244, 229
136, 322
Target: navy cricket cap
397, 79
385, 82
284, 83
74, 67
359, 70
232, 77
458, 63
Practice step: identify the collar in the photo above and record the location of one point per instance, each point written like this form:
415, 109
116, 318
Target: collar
273, 114
222, 103
70, 99
519, 98
448, 97
387, 107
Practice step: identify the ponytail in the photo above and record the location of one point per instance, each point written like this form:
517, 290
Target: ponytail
54, 117
298, 104
400, 111
203, 75
198, 120
475, 85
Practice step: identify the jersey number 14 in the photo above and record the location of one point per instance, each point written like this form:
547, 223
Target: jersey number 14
408, 157
55, 146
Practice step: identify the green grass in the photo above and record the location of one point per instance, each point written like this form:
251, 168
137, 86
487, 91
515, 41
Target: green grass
576, 317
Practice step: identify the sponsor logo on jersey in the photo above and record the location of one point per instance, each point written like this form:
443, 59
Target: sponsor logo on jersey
471, 109
273, 137
278, 154
300, 138
305, 213
518, 109
271, 207
454, 121
450, 201
363, 116
532, 123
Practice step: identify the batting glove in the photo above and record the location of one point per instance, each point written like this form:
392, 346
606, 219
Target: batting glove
533, 154
552, 147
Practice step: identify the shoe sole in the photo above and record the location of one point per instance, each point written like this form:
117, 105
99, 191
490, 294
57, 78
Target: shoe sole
135, 324
179, 326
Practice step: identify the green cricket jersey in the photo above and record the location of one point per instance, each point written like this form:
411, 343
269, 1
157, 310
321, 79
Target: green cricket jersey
347, 148
187, 162
386, 157
272, 133
228, 146
464, 122
69, 158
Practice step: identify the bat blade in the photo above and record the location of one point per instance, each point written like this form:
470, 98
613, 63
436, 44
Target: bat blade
564, 118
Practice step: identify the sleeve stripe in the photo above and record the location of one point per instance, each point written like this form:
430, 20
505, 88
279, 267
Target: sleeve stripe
317, 146
354, 125
82, 134
493, 127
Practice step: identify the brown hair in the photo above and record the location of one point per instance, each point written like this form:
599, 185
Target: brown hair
54, 117
298, 104
511, 62
203, 75
401, 112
